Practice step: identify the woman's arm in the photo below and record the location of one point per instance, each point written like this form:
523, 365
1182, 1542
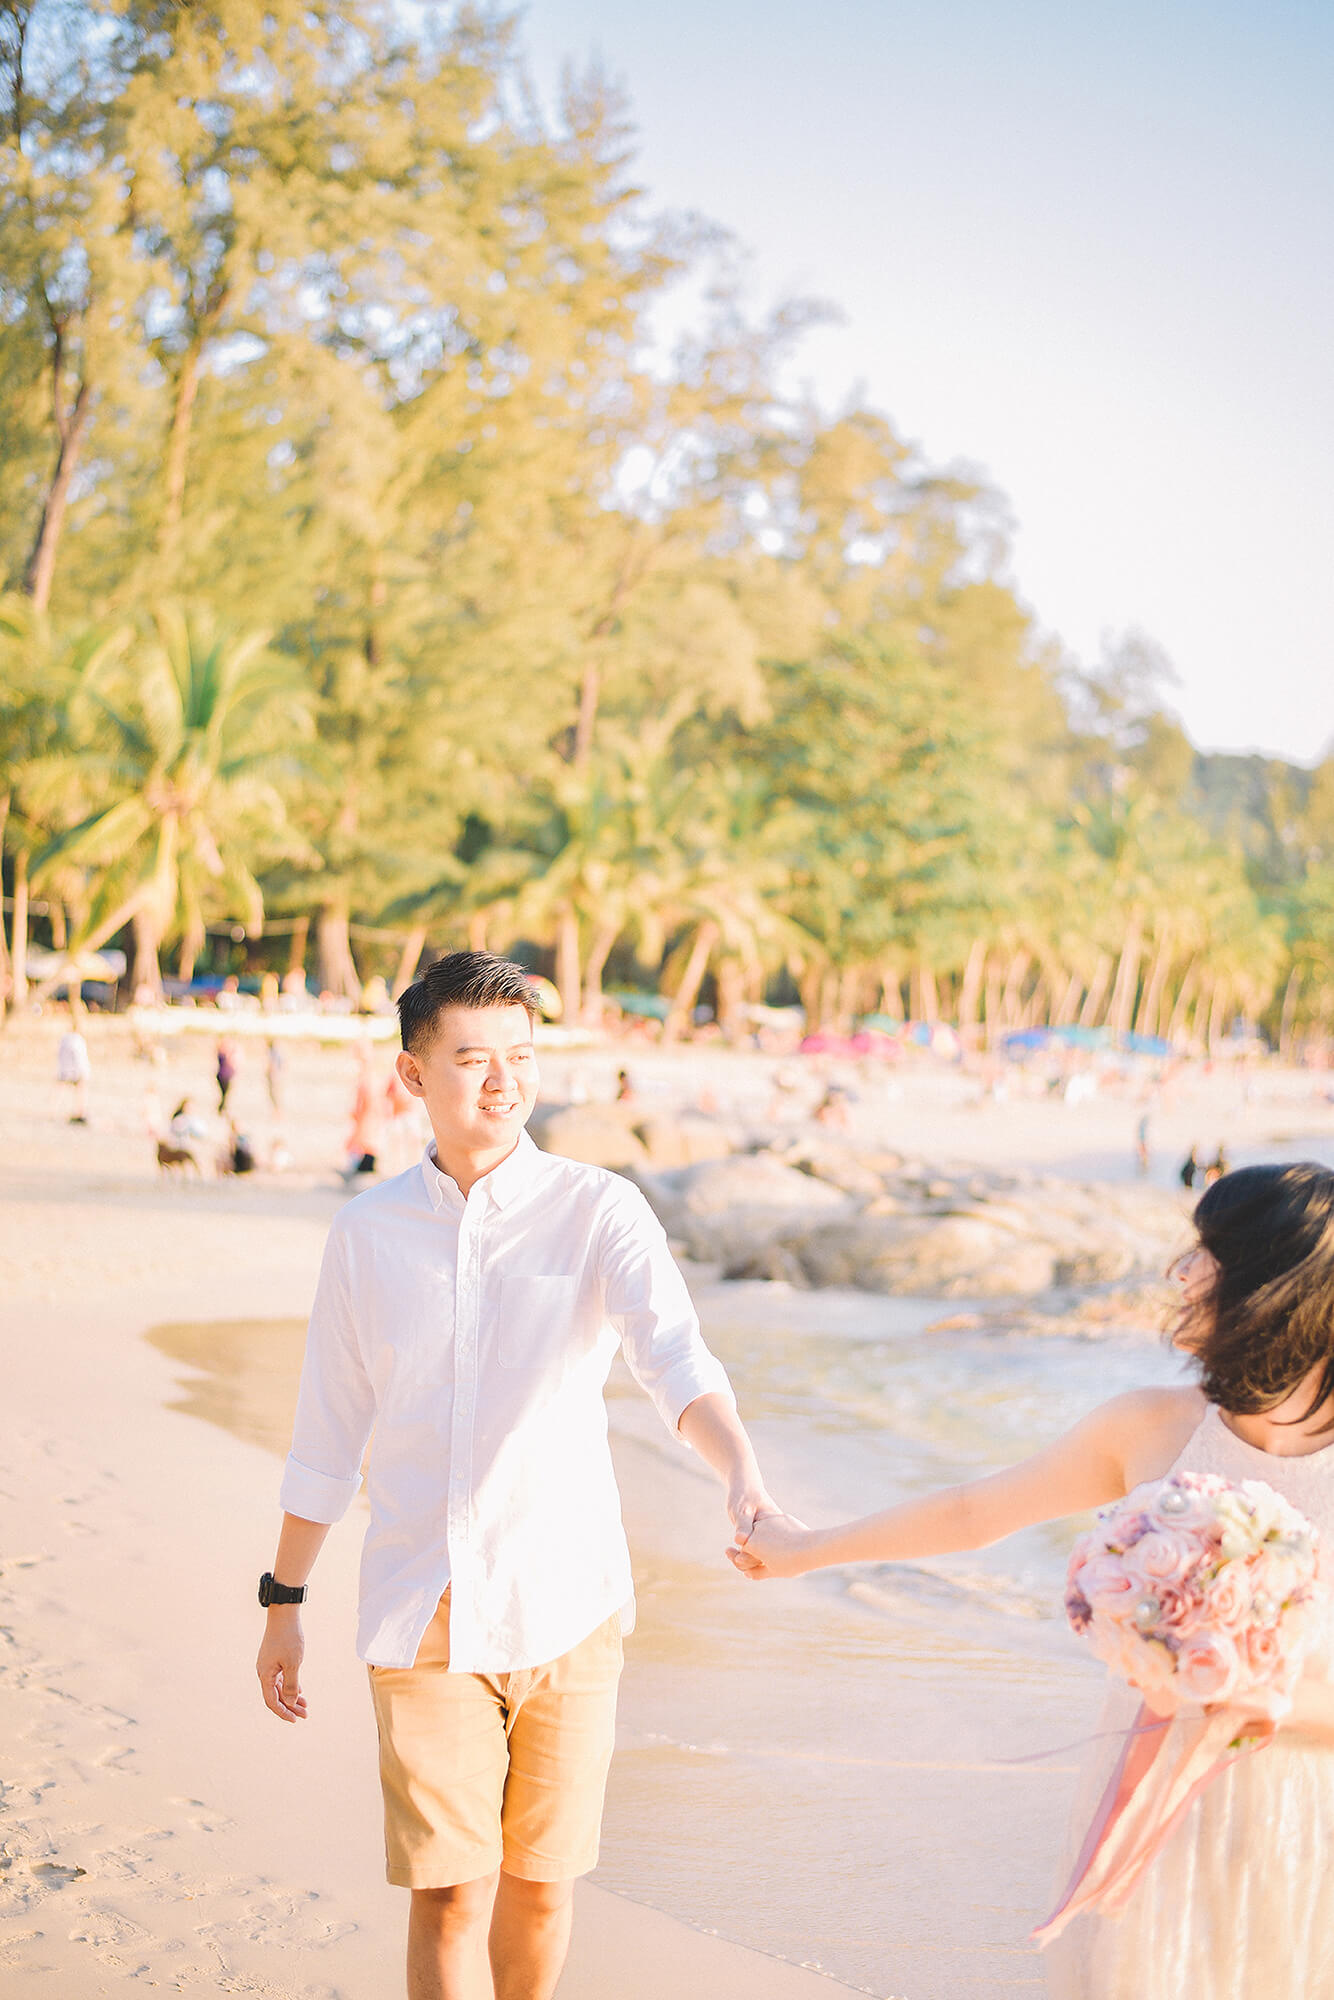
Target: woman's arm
1087, 1467
1313, 1710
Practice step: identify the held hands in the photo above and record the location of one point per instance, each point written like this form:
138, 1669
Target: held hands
776, 1546
748, 1501
279, 1664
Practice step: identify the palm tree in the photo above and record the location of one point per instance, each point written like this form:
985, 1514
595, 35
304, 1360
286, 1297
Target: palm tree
188, 723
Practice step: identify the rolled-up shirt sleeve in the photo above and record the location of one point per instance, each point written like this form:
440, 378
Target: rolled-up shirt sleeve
335, 1404
646, 1300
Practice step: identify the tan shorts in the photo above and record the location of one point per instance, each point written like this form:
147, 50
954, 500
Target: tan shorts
484, 1771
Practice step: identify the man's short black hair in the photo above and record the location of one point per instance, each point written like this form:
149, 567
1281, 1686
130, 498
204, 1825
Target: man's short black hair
460, 979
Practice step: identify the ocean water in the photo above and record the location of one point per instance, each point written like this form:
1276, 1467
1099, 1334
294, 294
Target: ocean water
821, 1769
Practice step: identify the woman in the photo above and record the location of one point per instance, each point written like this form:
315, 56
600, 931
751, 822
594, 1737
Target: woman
1238, 1903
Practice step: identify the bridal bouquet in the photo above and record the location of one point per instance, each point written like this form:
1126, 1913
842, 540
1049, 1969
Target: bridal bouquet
1199, 1592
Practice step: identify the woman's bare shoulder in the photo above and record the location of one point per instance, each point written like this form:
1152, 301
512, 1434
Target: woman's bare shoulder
1148, 1427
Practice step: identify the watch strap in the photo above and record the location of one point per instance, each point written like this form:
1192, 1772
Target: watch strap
271, 1592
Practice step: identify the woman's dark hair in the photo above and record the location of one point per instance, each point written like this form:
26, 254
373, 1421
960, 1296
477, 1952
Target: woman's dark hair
1270, 1317
460, 979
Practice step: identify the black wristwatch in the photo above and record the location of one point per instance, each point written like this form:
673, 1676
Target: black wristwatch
280, 1593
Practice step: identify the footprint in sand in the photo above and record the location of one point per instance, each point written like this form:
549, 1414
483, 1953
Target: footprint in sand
203, 1818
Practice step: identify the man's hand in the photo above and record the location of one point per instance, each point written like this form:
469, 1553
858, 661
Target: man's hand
748, 1502
279, 1664
777, 1545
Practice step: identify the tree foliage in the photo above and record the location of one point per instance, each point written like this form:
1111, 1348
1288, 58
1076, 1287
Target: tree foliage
369, 560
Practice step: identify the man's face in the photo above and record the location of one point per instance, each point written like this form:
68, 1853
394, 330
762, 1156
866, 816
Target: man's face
478, 1079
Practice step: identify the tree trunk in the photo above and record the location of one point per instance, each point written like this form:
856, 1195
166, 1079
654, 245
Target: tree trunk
1217, 1009
145, 969
1067, 1007
731, 996
5, 989
18, 933
1014, 986
683, 1000
970, 993
413, 946
335, 967
296, 950
930, 997
568, 983
993, 1003
192, 943
1176, 1024
178, 449
598, 953
590, 687
41, 570
1121, 1010
811, 986
1285, 1021
845, 1005
1146, 1021
60, 929
1090, 1012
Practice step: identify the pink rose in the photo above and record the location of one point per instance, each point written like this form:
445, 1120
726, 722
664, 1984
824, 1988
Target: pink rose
1104, 1582
1227, 1603
1208, 1667
1178, 1611
1185, 1503
1264, 1652
1165, 1556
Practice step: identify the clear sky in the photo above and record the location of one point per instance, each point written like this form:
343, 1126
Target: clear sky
1088, 250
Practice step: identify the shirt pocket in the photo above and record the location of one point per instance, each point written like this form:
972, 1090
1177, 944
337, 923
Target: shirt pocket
538, 1322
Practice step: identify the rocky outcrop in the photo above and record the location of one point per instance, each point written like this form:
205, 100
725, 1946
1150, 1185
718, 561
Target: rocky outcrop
878, 1229
625, 1136
814, 1211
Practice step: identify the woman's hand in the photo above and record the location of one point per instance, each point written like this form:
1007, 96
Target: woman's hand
777, 1545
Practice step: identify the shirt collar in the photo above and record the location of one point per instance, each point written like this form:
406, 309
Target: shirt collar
515, 1172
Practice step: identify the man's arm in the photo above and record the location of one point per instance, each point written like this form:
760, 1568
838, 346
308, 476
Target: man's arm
711, 1427
334, 1413
283, 1647
647, 1300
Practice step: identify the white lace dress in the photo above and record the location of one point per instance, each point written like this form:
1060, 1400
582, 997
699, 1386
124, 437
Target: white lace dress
1239, 1905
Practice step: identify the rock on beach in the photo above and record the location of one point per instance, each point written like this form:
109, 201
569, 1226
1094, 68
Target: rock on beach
817, 1212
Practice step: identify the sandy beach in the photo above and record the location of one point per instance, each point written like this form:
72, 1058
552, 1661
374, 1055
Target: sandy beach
157, 1826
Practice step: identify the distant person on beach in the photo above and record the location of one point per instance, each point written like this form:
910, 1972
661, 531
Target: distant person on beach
239, 1154
1191, 1170
1142, 1145
73, 1069
275, 1076
363, 1143
226, 1072
625, 1089
1217, 1167
186, 1126
468, 1313
1235, 1902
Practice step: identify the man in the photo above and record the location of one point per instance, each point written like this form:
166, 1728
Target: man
470, 1310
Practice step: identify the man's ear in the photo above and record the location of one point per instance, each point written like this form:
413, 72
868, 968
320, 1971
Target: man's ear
409, 1072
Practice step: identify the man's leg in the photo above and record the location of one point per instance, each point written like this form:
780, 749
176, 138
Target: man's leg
447, 1930
562, 1724
530, 1935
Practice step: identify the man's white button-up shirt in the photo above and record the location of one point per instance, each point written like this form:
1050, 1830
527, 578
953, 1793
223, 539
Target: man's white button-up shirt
475, 1338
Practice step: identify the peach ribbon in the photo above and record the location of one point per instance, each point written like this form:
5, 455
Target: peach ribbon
1165, 1764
